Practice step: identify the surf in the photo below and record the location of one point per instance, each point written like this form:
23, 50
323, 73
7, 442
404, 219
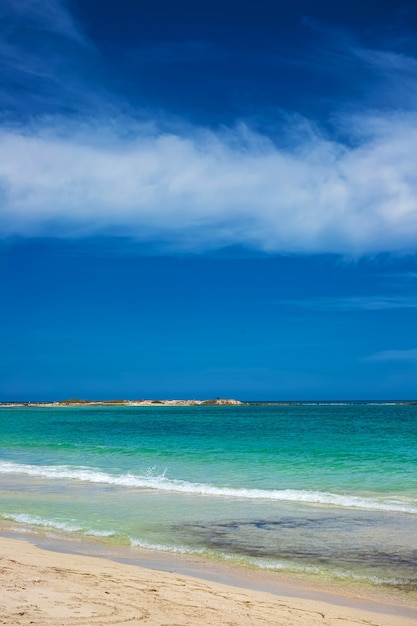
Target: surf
161, 482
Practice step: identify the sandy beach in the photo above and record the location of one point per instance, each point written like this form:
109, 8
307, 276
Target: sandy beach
48, 588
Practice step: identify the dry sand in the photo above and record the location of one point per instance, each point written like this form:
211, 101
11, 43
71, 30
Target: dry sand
56, 589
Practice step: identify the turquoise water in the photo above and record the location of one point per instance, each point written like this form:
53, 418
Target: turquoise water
323, 490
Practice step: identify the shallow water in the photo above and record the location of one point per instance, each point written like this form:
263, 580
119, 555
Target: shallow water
326, 490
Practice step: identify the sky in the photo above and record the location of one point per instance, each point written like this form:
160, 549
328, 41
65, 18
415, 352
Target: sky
202, 199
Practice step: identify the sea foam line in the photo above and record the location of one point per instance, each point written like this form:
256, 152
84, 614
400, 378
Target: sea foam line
36, 520
269, 563
162, 483
261, 563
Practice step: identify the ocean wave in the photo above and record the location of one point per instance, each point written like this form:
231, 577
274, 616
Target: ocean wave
329, 572
284, 565
69, 527
161, 483
35, 520
173, 549
271, 564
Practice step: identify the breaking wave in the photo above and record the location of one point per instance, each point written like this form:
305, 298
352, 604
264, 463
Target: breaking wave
69, 527
162, 483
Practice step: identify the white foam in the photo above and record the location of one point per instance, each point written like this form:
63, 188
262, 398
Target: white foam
270, 564
146, 545
100, 533
162, 483
35, 520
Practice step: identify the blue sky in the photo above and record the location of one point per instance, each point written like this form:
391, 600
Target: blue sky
204, 199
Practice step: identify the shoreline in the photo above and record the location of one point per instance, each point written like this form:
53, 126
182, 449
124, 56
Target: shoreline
357, 561
273, 597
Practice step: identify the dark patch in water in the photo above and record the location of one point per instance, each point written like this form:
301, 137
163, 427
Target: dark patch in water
275, 540
320, 523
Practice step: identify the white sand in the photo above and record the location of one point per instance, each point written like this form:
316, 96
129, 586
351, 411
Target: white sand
47, 588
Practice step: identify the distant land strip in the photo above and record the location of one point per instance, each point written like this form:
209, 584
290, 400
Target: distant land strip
76, 402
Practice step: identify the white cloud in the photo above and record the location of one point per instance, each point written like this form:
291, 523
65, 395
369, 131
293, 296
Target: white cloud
46, 15
204, 189
193, 188
395, 355
358, 303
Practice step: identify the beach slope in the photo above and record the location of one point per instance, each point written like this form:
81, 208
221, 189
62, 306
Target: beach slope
46, 588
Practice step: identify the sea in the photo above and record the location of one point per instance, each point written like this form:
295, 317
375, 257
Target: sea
326, 491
